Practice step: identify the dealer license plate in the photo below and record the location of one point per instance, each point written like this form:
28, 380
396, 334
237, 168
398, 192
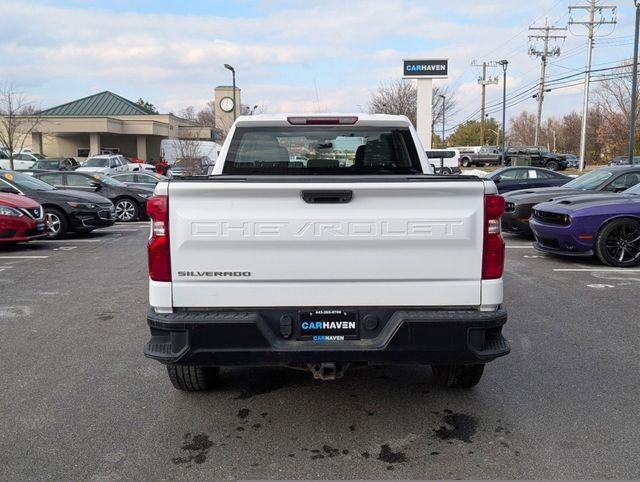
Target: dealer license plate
328, 325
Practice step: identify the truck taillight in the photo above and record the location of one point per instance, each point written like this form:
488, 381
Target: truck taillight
493, 248
158, 245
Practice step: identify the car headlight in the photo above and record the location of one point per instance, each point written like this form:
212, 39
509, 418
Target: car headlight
9, 211
145, 195
76, 205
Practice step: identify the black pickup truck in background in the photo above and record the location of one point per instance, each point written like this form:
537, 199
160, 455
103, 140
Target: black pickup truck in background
537, 157
485, 156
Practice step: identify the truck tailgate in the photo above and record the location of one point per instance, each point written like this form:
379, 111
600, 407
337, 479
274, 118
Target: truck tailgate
261, 244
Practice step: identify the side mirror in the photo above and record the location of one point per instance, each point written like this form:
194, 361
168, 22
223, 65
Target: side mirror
497, 179
618, 187
96, 185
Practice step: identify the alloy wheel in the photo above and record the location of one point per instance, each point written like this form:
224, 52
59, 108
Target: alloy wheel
125, 210
53, 224
623, 243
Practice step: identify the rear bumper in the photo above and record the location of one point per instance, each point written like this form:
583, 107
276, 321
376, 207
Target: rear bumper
268, 337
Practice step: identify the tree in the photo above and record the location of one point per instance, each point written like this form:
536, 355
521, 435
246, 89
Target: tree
187, 145
189, 113
207, 115
522, 129
468, 134
400, 97
613, 101
18, 119
147, 105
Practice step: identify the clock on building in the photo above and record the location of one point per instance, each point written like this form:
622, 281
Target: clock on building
226, 104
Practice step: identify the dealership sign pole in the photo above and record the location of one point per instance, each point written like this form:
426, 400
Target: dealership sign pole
425, 70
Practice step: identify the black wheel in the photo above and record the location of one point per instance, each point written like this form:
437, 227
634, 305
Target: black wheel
126, 210
618, 243
465, 161
57, 224
552, 165
446, 171
191, 378
457, 376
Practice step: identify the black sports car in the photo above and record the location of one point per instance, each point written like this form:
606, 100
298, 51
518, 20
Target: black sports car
66, 210
130, 201
526, 177
603, 180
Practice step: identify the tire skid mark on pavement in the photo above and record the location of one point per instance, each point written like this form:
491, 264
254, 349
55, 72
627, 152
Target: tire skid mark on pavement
15, 311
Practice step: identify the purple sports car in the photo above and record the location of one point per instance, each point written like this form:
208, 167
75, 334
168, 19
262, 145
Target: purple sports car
605, 225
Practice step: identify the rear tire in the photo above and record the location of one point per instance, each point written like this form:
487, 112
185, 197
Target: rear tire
446, 171
127, 210
465, 161
457, 376
620, 237
191, 378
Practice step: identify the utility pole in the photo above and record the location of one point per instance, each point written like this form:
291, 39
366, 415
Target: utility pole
484, 81
591, 25
548, 33
505, 64
634, 87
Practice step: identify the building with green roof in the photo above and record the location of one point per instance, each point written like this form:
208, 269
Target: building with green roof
106, 122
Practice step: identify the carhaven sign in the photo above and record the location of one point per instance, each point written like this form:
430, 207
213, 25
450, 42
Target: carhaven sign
431, 68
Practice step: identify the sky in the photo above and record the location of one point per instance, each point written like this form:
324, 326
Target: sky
292, 56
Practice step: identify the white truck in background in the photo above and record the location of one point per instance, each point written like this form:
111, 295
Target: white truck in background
360, 256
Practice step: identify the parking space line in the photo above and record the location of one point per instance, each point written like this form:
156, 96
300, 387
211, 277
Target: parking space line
119, 230
66, 241
596, 270
24, 257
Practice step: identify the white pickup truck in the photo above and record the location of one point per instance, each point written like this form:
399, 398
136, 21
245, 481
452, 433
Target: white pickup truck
360, 256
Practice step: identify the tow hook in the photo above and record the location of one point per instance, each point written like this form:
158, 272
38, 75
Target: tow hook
328, 371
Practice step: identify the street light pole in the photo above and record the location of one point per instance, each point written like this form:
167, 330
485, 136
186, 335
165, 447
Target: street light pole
444, 145
233, 74
634, 88
505, 64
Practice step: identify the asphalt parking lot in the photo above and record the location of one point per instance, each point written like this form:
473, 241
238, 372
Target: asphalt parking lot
79, 400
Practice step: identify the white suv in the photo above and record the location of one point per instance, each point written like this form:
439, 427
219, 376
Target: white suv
105, 164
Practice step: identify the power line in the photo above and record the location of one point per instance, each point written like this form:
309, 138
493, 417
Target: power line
524, 93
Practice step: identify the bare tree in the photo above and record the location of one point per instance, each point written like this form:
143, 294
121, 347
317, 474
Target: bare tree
189, 113
18, 119
187, 145
522, 129
399, 97
207, 115
613, 99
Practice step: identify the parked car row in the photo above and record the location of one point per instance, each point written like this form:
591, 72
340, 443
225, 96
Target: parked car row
595, 214
105, 163
72, 201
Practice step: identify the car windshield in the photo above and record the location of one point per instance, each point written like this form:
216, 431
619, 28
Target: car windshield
590, 181
97, 162
338, 150
27, 182
109, 181
46, 164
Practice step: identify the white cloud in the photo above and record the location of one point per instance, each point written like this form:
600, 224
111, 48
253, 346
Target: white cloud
344, 48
